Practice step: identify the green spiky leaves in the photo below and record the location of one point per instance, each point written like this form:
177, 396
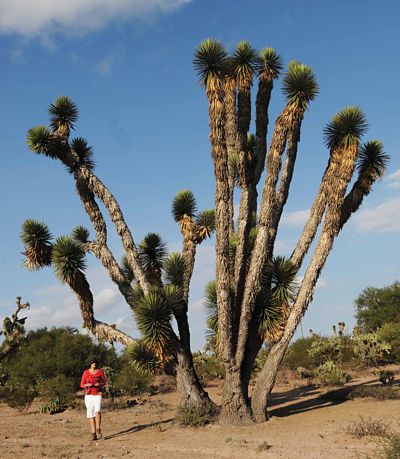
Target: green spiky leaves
346, 128
282, 274
63, 115
152, 251
143, 359
153, 317
127, 269
36, 238
84, 152
174, 269
184, 203
80, 234
243, 62
209, 61
372, 159
268, 64
40, 140
299, 85
205, 222
68, 259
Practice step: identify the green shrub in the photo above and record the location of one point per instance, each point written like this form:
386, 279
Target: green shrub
371, 350
18, 394
195, 416
297, 354
337, 349
208, 367
376, 392
130, 381
329, 374
390, 333
55, 394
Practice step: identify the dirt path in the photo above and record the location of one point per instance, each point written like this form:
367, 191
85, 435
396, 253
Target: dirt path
303, 425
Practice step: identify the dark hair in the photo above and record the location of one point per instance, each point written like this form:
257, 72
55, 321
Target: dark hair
92, 360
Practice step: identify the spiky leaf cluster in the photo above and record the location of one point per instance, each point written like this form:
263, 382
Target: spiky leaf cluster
244, 61
36, 238
174, 269
346, 128
173, 296
153, 317
205, 222
63, 115
299, 85
152, 252
184, 203
127, 269
209, 61
84, 152
372, 160
143, 359
268, 64
41, 140
68, 259
80, 234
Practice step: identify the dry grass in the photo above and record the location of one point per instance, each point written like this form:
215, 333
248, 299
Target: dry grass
368, 427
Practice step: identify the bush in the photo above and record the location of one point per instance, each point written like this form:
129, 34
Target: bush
386, 377
18, 394
297, 354
195, 416
376, 392
330, 375
46, 353
130, 381
371, 350
208, 367
55, 393
368, 427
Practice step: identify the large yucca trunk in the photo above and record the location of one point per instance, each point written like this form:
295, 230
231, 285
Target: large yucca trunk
335, 196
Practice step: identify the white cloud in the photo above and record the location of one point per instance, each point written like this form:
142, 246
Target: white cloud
393, 180
42, 18
383, 218
297, 218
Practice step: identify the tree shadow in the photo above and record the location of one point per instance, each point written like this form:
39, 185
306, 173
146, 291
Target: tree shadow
137, 428
296, 406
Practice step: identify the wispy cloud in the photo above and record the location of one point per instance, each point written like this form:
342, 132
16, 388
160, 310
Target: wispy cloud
297, 218
43, 18
393, 180
383, 218
104, 67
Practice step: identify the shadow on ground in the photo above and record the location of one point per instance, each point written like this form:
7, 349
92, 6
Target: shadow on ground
294, 403
138, 428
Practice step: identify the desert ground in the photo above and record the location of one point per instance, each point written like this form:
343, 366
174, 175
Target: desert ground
304, 423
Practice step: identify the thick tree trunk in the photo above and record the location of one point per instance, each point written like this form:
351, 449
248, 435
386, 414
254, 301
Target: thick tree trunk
235, 408
254, 344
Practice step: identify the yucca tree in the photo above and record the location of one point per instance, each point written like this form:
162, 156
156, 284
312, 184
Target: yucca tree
245, 310
13, 330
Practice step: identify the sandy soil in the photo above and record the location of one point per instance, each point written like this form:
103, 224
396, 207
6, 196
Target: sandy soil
303, 425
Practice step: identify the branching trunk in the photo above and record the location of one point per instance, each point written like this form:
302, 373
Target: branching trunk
336, 190
285, 123
111, 204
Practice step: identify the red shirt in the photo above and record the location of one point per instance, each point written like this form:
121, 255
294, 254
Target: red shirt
93, 378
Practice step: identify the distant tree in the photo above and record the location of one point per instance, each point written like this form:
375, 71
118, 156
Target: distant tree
13, 329
376, 307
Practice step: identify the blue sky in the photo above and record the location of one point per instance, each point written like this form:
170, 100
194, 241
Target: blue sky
127, 64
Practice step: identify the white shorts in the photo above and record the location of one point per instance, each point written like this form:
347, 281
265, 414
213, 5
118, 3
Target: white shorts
93, 405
